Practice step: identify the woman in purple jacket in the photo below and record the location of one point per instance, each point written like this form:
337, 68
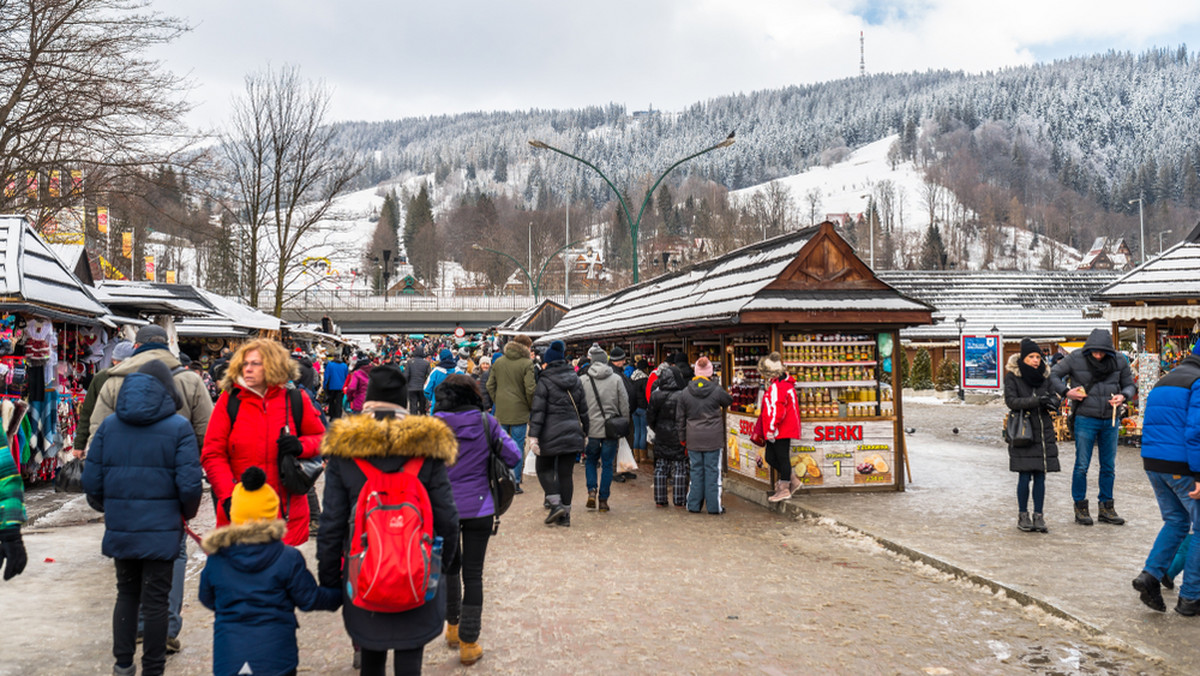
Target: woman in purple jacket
459, 405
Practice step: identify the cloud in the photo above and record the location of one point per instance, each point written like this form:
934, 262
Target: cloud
386, 60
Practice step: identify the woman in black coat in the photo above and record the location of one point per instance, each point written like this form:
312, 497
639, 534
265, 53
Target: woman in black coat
558, 430
386, 438
1027, 390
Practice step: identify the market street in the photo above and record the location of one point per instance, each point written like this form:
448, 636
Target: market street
648, 590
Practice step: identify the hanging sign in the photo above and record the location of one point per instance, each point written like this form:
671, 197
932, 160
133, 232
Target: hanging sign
980, 358
150, 268
102, 220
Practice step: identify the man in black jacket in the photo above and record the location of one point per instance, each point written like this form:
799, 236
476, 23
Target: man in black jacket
1100, 381
417, 372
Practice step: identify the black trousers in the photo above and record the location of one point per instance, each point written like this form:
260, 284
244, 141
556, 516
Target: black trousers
468, 559
334, 399
148, 584
778, 455
405, 662
555, 473
417, 403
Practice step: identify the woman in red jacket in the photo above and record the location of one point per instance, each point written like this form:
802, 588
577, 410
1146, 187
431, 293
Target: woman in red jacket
258, 376
780, 418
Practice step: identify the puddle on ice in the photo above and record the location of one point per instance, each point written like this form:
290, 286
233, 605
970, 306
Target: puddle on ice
1060, 659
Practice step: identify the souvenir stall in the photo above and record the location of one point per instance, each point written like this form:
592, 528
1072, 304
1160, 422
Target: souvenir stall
807, 296
53, 336
1160, 300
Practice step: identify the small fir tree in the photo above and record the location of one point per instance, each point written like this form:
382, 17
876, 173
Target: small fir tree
947, 375
921, 376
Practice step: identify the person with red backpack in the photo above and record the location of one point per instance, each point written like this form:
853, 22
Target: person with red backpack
256, 421
385, 560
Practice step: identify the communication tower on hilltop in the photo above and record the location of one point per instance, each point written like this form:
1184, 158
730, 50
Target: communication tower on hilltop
862, 59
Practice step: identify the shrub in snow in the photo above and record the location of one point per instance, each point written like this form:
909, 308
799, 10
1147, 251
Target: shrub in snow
947, 376
921, 376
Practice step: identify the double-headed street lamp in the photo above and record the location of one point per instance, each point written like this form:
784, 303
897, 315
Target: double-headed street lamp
535, 285
961, 322
634, 224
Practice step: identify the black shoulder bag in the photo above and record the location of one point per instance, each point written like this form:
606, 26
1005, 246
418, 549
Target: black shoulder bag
616, 426
296, 475
500, 479
1018, 429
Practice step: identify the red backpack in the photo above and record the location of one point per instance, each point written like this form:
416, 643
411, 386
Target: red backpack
390, 566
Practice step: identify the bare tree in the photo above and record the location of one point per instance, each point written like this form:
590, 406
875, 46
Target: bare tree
77, 92
286, 172
813, 199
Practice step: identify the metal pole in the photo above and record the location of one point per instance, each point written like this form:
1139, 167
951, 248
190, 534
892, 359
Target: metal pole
1142, 222
529, 259
567, 260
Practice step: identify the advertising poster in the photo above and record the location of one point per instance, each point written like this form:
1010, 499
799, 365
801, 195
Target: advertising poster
102, 220
845, 453
981, 361
744, 457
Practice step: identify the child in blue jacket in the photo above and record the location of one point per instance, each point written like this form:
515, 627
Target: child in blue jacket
254, 583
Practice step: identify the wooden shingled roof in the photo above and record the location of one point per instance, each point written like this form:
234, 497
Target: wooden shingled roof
36, 280
806, 276
1174, 275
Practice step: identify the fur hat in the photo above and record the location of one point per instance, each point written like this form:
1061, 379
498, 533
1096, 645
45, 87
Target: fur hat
704, 367
556, 352
151, 333
771, 366
387, 383
253, 499
597, 355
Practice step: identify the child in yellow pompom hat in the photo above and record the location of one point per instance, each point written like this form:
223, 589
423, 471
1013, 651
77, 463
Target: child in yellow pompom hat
254, 583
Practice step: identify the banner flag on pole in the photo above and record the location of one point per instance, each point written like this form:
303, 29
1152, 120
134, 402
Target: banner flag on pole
102, 220
10, 186
76, 181
55, 183
31, 185
170, 276
127, 244
150, 268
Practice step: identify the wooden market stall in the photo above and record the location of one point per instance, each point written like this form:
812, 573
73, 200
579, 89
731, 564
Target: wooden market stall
1161, 299
806, 295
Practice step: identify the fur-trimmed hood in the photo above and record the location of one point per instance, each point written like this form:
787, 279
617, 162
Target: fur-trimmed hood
362, 436
515, 350
249, 533
1013, 368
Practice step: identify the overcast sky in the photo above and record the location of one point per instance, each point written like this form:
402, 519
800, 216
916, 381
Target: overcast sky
388, 59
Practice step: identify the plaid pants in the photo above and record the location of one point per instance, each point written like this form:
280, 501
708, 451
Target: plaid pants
674, 472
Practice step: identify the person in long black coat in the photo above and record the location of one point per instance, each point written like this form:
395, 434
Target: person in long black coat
1027, 389
670, 460
558, 430
387, 438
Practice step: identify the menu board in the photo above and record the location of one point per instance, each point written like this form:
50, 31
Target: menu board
828, 453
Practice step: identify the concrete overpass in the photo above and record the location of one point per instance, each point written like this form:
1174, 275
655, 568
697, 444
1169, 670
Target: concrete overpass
360, 312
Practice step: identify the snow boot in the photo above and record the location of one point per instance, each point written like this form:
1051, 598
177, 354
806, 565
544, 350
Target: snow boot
795, 484
1039, 523
472, 622
1149, 591
782, 492
1024, 523
1109, 515
1081, 513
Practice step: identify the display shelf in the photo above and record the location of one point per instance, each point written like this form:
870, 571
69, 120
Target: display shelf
830, 363
788, 343
837, 383
737, 344
816, 419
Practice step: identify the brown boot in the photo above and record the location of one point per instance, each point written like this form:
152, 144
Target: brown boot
591, 501
1081, 513
1108, 514
782, 492
469, 653
452, 635
603, 505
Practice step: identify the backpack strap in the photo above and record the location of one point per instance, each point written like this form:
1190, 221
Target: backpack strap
295, 400
413, 467
232, 403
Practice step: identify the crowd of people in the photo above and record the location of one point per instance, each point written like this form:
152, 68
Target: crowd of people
426, 418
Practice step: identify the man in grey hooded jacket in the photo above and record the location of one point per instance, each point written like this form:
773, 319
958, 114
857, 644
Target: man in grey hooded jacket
606, 398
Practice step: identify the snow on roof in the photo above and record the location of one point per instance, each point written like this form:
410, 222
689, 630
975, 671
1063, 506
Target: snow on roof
719, 291
179, 300
1173, 274
228, 315
36, 280
1019, 303
520, 323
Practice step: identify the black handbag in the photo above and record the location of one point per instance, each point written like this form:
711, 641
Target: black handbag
500, 479
1018, 429
69, 478
614, 427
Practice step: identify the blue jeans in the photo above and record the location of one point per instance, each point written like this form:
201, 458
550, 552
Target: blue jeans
706, 481
1091, 432
603, 451
517, 432
1180, 559
1180, 514
639, 428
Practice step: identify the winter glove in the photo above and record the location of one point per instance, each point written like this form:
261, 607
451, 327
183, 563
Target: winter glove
1048, 402
226, 505
12, 549
289, 444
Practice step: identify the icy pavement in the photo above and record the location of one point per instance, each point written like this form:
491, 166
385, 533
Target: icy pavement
648, 590
960, 511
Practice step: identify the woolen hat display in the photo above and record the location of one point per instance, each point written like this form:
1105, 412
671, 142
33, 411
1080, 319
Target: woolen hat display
253, 499
387, 383
556, 352
617, 354
123, 351
151, 333
1028, 347
597, 355
704, 367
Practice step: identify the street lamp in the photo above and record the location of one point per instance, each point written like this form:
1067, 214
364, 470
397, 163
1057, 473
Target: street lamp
535, 285
1164, 232
960, 322
1142, 222
634, 224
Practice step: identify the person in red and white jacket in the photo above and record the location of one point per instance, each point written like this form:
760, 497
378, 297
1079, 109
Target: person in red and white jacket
779, 416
